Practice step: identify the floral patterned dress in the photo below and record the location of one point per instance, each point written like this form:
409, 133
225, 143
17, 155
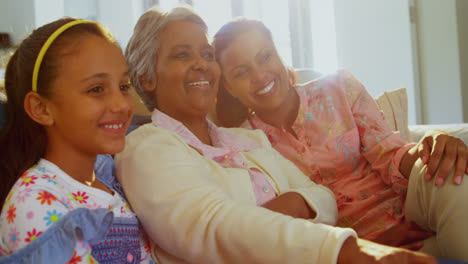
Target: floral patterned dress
44, 194
344, 143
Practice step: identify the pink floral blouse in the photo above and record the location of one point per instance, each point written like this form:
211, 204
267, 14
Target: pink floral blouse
344, 143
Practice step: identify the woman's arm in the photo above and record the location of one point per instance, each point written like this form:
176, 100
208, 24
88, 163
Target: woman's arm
379, 145
292, 204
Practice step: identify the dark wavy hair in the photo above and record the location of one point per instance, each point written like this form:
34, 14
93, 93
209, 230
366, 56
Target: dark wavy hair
23, 141
230, 112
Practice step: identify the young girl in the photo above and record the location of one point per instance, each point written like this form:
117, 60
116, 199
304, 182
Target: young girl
67, 86
333, 131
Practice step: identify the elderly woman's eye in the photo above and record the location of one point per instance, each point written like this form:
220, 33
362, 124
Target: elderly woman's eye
208, 55
181, 55
96, 90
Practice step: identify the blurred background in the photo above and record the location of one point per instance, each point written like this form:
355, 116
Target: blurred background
421, 45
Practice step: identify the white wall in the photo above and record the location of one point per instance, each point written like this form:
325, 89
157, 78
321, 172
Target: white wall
439, 61
18, 20
85, 9
120, 17
462, 25
46, 11
374, 41
25, 15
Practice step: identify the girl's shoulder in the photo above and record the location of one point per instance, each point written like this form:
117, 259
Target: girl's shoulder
41, 176
47, 183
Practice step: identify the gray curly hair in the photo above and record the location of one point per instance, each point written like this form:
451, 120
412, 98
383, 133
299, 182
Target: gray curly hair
143, 46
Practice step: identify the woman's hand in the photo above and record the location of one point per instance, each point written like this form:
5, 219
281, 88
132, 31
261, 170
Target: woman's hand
444, 152
292, 204
365, 252
405, 235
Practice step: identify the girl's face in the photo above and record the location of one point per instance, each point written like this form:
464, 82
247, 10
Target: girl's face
187, 74
90, 104
253, 72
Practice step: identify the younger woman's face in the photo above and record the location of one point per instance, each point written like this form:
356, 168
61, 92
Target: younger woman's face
253, 72
90, 103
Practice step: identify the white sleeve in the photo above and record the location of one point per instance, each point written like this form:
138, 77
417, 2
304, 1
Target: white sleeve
186, 213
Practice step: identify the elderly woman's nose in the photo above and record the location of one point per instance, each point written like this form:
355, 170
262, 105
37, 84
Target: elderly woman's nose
200, 63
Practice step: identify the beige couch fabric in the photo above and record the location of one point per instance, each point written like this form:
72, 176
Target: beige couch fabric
394, 105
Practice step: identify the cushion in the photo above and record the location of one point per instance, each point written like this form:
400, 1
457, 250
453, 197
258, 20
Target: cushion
459, 130
394, 105
140, 108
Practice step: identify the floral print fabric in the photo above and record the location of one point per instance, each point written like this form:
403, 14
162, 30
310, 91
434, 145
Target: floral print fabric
44, 194
344, 143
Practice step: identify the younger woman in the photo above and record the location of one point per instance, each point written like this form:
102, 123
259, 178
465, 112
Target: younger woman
67, 86
333, 131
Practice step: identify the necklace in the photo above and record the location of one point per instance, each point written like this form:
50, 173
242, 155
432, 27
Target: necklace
93, 179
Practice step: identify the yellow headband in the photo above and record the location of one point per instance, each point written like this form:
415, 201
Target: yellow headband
46, 46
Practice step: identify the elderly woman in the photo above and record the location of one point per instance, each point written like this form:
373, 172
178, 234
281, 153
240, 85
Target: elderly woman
207, 194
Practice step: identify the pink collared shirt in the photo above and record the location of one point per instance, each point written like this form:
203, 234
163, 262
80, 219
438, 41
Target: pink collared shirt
224, 151
344, 143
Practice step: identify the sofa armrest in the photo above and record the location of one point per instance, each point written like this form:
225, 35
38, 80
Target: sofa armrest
458, 130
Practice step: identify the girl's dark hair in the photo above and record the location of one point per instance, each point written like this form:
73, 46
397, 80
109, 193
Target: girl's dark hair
23, 141
230, 112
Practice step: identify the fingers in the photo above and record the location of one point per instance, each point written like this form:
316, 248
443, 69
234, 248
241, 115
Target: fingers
447, 153
413, 246
415, 234
424, 149
447, 163
406, 234
438, 148
461, 167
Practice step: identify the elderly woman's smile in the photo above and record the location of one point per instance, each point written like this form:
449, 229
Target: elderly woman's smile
201, 84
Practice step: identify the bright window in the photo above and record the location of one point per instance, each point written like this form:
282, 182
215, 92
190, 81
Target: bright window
318, 51
303, 30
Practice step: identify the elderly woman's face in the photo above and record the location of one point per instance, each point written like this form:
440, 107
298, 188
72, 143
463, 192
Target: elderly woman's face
187, 74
